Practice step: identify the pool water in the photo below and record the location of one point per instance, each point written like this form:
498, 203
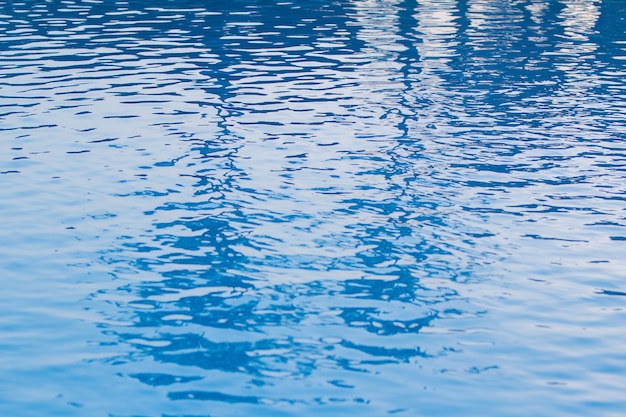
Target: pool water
312, 207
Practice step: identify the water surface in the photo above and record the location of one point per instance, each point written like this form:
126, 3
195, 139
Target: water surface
296, 208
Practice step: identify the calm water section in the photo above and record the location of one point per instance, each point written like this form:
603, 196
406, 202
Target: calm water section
255, 208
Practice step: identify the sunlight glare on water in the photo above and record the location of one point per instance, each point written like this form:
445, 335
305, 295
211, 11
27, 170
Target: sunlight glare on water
316, 207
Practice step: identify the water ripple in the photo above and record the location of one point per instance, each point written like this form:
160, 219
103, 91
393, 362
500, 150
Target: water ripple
295, 208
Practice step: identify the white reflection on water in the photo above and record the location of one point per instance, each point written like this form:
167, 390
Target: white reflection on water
579, 19
369, 207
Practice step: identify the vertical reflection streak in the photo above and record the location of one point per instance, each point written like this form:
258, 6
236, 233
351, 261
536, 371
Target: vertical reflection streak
317, 138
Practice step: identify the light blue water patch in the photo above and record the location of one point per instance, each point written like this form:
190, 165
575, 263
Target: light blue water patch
305, 208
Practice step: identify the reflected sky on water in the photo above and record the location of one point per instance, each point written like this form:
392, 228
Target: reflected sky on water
293, 208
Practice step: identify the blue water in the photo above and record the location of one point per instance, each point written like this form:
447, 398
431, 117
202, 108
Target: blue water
312, 207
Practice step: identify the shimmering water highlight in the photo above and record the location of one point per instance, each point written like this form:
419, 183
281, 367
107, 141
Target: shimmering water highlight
261, 208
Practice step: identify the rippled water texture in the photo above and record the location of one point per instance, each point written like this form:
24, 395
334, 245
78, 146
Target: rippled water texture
304, 208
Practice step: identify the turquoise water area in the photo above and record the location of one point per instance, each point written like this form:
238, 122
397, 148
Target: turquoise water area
303, 208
